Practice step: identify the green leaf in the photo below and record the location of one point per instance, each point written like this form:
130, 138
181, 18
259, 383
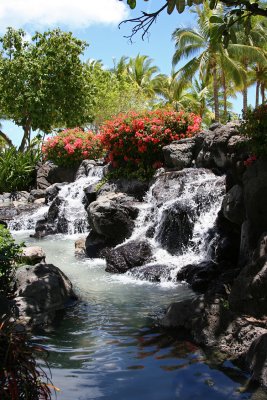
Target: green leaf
189, 3
171, 5
131, 3
197, 2
213, 4
214, 19
180, 5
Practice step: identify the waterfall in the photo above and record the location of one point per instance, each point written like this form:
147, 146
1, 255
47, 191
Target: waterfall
66, 213
178, 218
28, 220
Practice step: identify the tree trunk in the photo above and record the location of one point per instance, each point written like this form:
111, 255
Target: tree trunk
26, 135
224, 96
257, 99
245, 99
262, 93
216, 95
6, 139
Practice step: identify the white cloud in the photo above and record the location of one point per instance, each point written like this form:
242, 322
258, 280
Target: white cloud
71, 14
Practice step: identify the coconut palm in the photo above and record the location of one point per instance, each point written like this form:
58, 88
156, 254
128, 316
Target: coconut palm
143, 73
250, 51
172, 92
209, 56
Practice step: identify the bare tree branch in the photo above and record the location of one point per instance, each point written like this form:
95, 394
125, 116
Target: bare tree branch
144, 22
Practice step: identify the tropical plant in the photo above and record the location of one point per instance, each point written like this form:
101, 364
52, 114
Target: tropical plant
20, 376
142, 72
114, 91
17, 169
9, 256
250, 51
254, 127
209, 56
47, 79
134, 141
71, 146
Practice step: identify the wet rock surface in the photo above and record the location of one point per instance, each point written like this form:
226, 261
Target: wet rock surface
41, 290
127, 256
112, 216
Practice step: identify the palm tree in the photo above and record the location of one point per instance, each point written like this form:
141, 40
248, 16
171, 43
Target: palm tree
172, 92
250, 51
142, 72
208, 55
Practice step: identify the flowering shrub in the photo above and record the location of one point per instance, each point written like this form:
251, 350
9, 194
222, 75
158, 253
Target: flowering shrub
250, 160
134, 141
254, 127
72, 146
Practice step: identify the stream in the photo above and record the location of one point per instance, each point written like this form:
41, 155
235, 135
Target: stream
109, 346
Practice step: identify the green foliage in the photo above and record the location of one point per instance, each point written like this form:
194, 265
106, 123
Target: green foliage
20, 377
239, 11
72, 146
9, 255
43, 82
114, 92
254, 127
17, 169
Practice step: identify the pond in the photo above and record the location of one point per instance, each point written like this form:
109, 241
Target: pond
109, 347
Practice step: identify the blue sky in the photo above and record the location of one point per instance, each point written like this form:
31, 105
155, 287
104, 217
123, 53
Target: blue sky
96, 21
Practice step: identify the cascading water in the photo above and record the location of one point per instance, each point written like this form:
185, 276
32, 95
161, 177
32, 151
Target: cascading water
71, 209
178, 220
108, 345
27, 221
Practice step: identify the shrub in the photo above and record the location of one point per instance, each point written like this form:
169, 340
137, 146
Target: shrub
9, 255
254, 127
134, 141
17, 169
71, 146
20, 377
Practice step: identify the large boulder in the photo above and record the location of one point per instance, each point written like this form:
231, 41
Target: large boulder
181, 154
249, 291
112, 216
32, 255
233, 205
49, 173
132, 187
199, 276
255, 199
127, 256
40, 291
222, 147
176, 228
96, 245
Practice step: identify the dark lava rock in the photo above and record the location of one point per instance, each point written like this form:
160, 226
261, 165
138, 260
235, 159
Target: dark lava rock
233, 205
199, 276
41, 289
49, 173
176, 228
249, 291
112, 216
132, 187
95, 245
36, 194
127, 256
151, 272
52, 191
180, 154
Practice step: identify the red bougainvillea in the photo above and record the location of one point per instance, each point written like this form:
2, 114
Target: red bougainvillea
72, 146
136, 140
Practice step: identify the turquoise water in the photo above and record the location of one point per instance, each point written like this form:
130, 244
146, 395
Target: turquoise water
109, 347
